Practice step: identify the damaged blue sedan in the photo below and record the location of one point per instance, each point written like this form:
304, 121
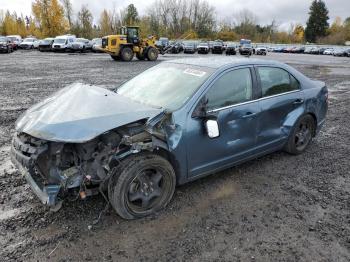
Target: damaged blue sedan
175, 122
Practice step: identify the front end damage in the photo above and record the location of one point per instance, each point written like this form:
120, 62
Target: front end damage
58, 170
66, 145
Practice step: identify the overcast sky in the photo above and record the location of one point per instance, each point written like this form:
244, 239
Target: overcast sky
283, 11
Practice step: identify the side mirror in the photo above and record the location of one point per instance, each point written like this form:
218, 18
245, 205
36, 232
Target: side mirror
212, 128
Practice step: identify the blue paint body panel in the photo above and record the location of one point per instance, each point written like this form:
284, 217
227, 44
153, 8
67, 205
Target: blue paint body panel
242, 138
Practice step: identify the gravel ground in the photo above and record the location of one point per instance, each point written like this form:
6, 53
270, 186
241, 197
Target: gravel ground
275, 208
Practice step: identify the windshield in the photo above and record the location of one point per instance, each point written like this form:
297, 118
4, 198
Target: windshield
59, 40
81, 40
189, 45
167, 85
3, 39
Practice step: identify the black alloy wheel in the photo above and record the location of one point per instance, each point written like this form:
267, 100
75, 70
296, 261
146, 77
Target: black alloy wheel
301, 135
141, 185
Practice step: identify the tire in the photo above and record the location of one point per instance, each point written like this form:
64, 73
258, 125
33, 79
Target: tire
126, 54
141, 185
115, 57
301, 135
152, 54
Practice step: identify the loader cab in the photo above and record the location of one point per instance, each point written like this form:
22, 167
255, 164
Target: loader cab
132, 34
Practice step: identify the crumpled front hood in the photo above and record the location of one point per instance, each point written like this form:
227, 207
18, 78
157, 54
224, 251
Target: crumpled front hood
79, 113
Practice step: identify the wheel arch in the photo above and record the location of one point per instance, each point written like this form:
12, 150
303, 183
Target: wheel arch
172, 160
294, 116
315, 122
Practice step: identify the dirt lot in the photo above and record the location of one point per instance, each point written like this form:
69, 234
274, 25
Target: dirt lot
276, 208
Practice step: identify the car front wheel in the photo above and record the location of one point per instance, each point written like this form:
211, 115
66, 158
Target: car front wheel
301, 135
141, 185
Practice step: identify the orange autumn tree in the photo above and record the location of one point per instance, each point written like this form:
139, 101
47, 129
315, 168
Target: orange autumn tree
49, 17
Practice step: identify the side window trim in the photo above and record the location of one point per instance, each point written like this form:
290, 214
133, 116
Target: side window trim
290, 79
253, 81
259, 85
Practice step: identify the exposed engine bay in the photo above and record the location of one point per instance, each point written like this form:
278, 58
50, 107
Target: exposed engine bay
79, 169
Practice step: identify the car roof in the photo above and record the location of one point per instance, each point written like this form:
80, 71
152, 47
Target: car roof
223, 61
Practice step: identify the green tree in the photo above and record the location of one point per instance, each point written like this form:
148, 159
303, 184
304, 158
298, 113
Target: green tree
85, 22
347, 22
317, 24
131, 16
68, 11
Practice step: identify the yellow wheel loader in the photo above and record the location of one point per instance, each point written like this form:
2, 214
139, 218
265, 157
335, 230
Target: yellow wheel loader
128, 43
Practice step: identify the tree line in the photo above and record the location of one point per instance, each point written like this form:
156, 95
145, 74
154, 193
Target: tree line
174, 19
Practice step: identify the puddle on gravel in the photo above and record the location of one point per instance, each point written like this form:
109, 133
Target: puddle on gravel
339, 70
4, 215
224, 191
342, 86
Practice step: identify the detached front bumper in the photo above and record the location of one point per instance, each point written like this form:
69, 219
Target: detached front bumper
23, 157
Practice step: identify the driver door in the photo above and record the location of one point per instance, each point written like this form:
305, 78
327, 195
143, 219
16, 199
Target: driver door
230, 99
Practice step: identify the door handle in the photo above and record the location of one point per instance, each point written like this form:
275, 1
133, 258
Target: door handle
298, 101
249, 114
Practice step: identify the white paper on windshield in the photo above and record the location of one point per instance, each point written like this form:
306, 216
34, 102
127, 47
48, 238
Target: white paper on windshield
194, 72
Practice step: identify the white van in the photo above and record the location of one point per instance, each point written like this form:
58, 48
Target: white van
63, 42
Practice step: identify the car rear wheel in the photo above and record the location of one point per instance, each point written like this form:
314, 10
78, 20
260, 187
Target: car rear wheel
301, 135
126, 54
141, 185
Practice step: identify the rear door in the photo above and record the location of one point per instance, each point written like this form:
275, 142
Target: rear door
281, 96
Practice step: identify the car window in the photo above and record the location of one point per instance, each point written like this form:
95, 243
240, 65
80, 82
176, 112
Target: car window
276, 81
232, 88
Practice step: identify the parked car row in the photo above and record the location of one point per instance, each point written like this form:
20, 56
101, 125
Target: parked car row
206, 47
60, 43
70, 43
340, 51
